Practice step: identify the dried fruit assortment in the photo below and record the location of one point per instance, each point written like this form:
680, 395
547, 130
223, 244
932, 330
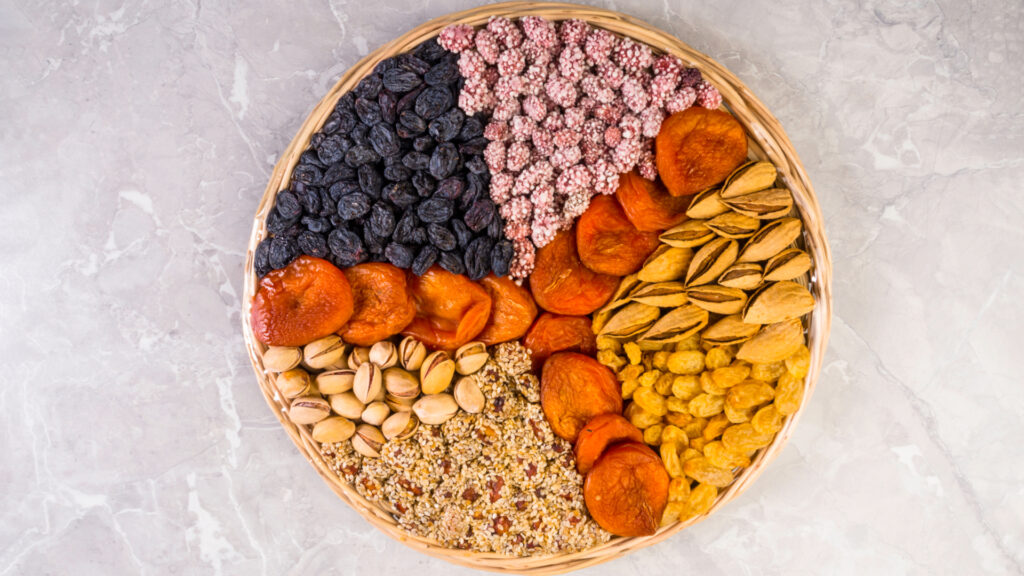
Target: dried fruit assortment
526, 297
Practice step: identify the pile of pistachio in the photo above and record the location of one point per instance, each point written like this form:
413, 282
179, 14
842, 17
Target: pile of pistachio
727, 273
375, 394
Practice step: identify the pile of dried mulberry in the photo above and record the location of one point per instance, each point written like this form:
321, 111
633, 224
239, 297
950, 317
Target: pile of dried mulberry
571, 107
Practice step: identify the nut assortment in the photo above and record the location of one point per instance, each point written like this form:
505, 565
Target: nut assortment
658, 345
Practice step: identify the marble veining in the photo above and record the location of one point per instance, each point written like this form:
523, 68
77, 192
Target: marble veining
135, 141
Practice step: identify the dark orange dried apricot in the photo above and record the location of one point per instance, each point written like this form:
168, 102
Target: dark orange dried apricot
561, 284
648, 205
383, 305
627, 490
697, 148
512, 310
599, 433
307, 299
555, 333
608, 242
450, 308
573, 389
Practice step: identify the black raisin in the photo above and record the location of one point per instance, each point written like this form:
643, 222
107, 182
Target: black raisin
435, 210
501, 257
401, 194
443, 73
359, 135
287, 205
433, 102
332, 123
318, 225
474, 146
451, 262
339, 171
261, 258
468, 197
399, 255
496, 229
346, 121
450, 188
388, 102
423, 144
370, 181
383, 139
430, 51
397, 173
313, 244
347, 247
413, 64
441, 237
283, 251
479, 214
368, 88
368, 111
412, 121
446, 126
382, 220
419, 235
374, 243
424, 183
473, 127
444, 161
278, 225
339, 189
401, 80
346, 101
476, 165
384, 65
477, 183
310, 201
416, 160
405, 227
463, 234
424, 260
354, 205
359, 155
331, 150
408, 102
478, 258
317, 139
310, 157
307, 174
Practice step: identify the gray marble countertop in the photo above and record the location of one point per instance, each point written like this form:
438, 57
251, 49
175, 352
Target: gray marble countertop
135, 141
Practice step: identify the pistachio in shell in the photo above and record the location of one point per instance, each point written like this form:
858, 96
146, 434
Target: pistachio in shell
308, 410
281, 358
294, 383
435, 409
368, 440
733, 225
333, 429
346, 404
384, 354
666, 263
400, 383
375, 413
630, 320
359, 355
411, 353
717, 299
773, 343
323, 352
400, 426
436, 373
707, 204
335, 381
777, 302
711, 260
742, 275
728, 330
771, 239
689, 234
750, 177
787, 265
680, 323
367, 383
468, 395
398, 403
470, 357
763, 204
661, 294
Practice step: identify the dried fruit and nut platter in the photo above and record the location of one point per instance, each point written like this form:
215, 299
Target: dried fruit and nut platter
537, 285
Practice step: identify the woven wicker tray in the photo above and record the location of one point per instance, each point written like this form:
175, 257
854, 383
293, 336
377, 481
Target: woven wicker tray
767, 141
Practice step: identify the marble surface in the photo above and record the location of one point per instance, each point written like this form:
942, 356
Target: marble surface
136, 138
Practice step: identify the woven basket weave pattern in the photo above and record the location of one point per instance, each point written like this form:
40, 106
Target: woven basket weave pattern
767, 141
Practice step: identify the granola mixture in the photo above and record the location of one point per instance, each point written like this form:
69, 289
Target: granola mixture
499, 481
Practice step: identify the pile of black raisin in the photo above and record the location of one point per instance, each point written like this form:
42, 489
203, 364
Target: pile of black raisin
395, 175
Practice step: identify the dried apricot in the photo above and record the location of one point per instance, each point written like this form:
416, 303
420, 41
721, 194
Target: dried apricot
450, 309
627, 490
383, 305
555, 333
307, 299
697, 148
574, 388
561, 284
601, 432
512, 310
648, 205
608, 242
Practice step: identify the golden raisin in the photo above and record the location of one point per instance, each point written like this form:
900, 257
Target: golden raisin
749, 394
685, 387
717, 357
633, 352
686, 362
799, 363
732, 375
670, 458
716, 426
738, 416
707, 405
678, 418
741, 438
695, 427
788, 394
718, 455
707, 384
675, 435
767, 372
678, 488
652, 435
701, 499
768, 420
649, 399
707, 473
664, 383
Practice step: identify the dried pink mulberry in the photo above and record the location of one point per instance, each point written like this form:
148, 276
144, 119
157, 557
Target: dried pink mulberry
632, 56
539, 30
611, 74
494, 156
667, 64
525, 259
487, 45
598, 46
708, 96
456, 38
471, 64
561, 91
650, 120
511, 62
501, 186
681, 100
522, 128
505, 31
496, 131
570, 63
535, 108
634, 95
